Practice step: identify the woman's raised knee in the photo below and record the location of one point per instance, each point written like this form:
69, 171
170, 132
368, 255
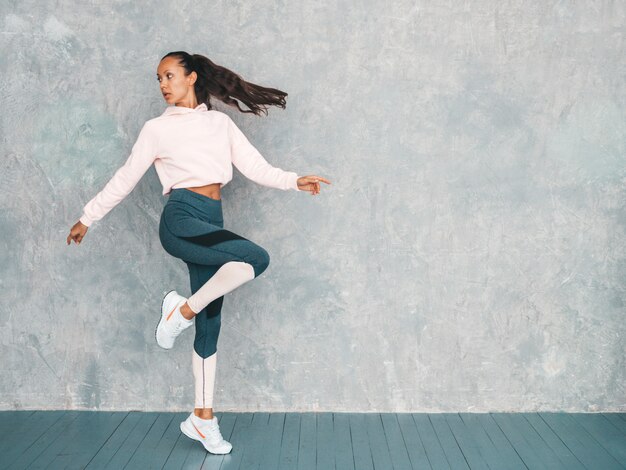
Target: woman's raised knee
260, 260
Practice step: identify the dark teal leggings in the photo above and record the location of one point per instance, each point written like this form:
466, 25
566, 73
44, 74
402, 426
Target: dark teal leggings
192, 229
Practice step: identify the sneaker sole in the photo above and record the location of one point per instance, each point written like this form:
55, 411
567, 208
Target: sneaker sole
160, 320
191, 435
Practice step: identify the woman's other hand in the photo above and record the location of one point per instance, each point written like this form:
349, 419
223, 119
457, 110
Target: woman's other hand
77, 232
311, 183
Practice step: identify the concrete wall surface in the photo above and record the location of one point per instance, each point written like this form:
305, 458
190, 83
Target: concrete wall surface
470, 254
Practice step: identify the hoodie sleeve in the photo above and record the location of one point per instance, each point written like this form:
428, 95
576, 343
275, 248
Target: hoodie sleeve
125, 178
253, 166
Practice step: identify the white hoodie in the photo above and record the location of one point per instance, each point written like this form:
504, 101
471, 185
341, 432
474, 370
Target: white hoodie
189, 147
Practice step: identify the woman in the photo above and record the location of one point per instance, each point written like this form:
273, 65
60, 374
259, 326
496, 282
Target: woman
193, 148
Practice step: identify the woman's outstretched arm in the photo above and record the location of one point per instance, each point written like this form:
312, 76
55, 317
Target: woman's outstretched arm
120, 185
251, 163
125, 178
253, 166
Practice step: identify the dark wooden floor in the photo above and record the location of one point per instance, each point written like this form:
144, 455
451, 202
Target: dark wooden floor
324, 441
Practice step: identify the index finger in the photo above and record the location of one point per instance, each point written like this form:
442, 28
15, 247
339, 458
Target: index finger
322, 179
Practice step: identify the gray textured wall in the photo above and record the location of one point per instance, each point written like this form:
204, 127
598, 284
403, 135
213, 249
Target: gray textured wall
470, 254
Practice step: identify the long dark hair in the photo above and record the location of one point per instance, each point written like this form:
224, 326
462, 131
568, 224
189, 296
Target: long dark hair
226, 85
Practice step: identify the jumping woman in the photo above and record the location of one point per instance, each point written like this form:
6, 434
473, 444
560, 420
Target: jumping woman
193, 148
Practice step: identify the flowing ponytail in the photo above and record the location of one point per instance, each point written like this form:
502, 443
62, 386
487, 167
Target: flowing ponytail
226, 85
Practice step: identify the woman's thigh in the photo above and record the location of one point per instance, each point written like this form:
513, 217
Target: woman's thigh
198, 241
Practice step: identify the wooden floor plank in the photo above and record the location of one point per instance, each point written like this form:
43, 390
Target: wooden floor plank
238, 438
500, 440
538, 445
308, 437
428, 437
45, 449
179, 452
377, 441
468, 445
360, 443
17, 420
134, 439
273, 441
68, 447
607, 436
255, 443
325, 445
616, 421
182, 448
143, 455
114, 441
395, 442
580, 442
567, 458
344, 458
290, 442
455, 457
416, 448
490, 452
87, 440
19, 438
517, 440
168, 440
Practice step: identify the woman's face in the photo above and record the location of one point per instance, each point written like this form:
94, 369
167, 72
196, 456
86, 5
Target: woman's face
175, 85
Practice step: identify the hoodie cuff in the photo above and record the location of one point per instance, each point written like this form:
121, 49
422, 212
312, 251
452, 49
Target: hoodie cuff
294, 183
85, 220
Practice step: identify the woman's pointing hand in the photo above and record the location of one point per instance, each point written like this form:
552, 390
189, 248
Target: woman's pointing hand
77, 232
311, 183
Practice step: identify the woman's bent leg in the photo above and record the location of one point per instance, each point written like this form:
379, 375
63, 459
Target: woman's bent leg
208, 320
227, 278
238, 261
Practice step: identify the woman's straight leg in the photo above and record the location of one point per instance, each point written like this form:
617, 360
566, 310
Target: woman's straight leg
204, 380
209, 285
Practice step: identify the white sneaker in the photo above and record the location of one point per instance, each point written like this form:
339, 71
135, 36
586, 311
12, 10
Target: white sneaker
172, 322
206, 431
